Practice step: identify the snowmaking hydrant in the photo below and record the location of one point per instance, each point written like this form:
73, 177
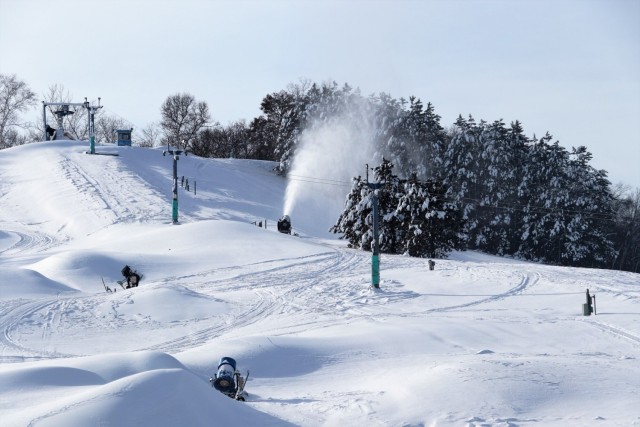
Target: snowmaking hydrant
228, 380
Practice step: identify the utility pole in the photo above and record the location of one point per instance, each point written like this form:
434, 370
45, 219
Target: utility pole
176, 156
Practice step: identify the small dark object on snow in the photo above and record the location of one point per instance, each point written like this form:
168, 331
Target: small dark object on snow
589, 303
284, 224
51, 133
106, 288
228, 380
132, 277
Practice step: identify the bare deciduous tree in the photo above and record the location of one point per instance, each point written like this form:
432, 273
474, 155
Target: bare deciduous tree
182, 118
15, 98
106, 127
627, 229
150, 136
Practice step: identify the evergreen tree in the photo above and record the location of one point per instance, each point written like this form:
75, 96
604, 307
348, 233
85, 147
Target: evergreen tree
391, 234
546, 194
498, 178
355, 221
461, 162
432, 151
515, 196
432, 224
590, 208
414, 218
566, 218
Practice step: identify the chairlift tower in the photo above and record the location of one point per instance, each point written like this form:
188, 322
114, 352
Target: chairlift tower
60, 114
64, 110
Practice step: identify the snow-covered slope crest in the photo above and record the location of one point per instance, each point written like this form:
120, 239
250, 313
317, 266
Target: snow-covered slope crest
479, 341
141, 388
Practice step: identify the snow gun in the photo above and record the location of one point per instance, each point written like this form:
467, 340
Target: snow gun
228, 380
284, 224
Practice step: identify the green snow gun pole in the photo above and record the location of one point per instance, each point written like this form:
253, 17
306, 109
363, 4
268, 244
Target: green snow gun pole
174, 208
91, 109
176, 155
375, 258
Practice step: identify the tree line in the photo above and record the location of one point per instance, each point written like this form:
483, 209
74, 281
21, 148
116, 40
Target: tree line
474, 185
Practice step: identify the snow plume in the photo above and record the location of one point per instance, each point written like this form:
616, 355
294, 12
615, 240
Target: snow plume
330, 153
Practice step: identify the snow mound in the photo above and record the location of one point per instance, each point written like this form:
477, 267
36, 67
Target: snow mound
21, 282
134, 389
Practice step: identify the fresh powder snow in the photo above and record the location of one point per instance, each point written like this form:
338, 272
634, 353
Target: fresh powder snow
477, 341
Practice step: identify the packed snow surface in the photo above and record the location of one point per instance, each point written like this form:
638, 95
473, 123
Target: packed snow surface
478, 341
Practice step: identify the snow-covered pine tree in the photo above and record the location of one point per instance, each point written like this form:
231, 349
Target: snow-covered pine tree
589, 214
415, 217
433, 225
432, 151
391, 233
461, 163
498, 176
544, 194
354, 221
408, 132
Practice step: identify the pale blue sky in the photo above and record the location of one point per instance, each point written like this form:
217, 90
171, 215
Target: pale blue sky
570, 67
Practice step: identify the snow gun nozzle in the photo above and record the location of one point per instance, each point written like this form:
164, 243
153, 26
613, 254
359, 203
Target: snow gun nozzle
225, 377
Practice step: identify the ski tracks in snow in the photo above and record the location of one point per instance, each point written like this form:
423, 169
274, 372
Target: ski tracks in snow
101, 184
93, 186
26, 241
17, 312
290, 287
616, 331
314, 289
527, 280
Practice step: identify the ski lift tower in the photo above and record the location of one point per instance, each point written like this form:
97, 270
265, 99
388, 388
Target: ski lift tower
60, 113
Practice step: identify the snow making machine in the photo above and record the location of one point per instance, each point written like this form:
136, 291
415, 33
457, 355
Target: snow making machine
227, 380
284, 224
131, 277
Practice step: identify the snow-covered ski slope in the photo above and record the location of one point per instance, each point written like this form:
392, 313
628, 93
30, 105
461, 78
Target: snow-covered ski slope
479, 341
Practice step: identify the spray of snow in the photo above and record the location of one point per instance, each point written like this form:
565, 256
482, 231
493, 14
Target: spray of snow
330, 153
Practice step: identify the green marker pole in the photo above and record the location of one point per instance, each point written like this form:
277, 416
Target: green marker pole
92, 125
92, 140
174, 215
375, 271
375, 258
174, 202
